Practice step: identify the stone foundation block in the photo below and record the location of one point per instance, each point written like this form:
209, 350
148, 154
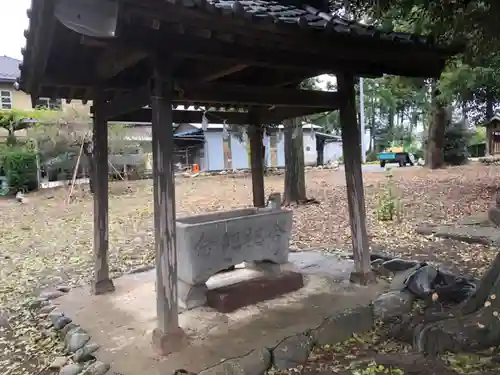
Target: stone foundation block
341, 326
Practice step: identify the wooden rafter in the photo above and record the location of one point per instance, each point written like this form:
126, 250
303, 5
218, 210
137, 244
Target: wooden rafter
326, 61
224, 72
115, 60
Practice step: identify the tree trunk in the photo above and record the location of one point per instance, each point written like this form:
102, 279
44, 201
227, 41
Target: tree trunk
465, 116
295, 185
11, 137
474, 327
413, 124
489, 105
390, 122
372, 124
435, 141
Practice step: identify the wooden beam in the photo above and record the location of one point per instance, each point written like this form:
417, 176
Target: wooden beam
224, 94
256, 134
269, 116
127, 102
101, 283
351, 146
278, 114
255, 76
167, 334
115, 60
143, 115
253, 95
224, 72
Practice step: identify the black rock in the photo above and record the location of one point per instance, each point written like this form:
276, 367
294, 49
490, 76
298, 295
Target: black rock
376, 256
398, 265
72, 369
51, 294
66, 329
76, 341
86, 353
62, 322
38, 303
55, 315
97, 368
292, 351
63, 288
377, 263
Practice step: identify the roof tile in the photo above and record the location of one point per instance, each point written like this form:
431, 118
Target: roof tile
291, 14
9, 69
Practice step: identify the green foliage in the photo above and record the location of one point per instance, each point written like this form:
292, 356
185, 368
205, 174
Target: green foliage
375, 369
371, 156
395, 106
19, 164
418, 153
389, 205
13, 120
478, 136
455, 150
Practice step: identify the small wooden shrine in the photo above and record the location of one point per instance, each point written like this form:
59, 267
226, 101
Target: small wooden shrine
244, 56
493, 136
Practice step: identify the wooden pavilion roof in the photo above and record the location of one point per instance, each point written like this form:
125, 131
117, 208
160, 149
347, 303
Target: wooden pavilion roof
242, 42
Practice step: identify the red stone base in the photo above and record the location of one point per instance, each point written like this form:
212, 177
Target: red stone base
232, 297
363, 278
168, 343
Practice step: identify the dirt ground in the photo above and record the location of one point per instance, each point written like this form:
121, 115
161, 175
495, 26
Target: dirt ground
47, 241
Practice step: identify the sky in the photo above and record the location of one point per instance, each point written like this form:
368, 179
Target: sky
13, 22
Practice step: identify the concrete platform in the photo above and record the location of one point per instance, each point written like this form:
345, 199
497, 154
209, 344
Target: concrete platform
474, 229
122, 322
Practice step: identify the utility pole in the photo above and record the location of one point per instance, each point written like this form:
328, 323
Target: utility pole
347, 10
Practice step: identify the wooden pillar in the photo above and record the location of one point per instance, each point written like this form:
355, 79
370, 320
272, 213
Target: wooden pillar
167, 334
256, 134
101, 283
351, 146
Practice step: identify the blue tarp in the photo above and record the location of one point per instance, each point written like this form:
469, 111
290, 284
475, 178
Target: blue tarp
192, 132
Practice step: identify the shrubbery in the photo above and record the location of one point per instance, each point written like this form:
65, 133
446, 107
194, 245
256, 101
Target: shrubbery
456, 144
19, 165
389, 205
371, 156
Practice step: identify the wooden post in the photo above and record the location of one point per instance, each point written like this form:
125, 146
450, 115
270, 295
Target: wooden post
256, 134
167, 334
101, 283
351, 145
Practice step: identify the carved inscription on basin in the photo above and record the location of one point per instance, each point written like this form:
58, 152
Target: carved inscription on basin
209, 243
